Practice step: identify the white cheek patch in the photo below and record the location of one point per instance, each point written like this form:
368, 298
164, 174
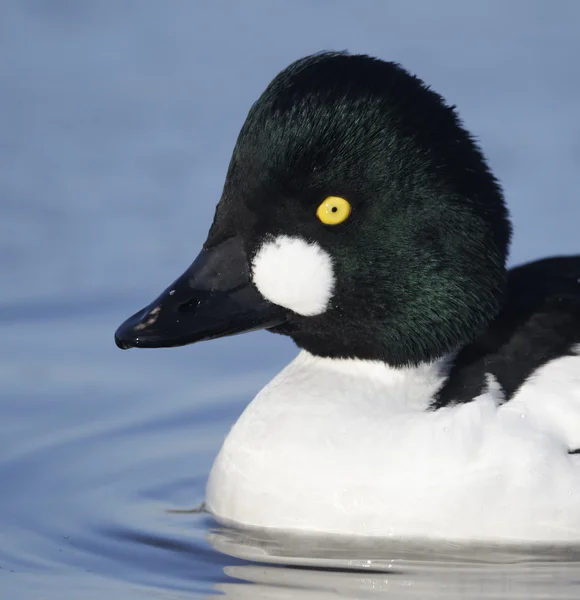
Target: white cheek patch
295, 274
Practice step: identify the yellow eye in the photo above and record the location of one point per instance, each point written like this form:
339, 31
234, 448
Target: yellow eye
333, 210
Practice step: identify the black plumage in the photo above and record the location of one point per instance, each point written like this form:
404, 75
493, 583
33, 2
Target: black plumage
539, 322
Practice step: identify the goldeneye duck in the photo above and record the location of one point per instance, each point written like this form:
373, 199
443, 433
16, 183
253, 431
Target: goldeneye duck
435, 395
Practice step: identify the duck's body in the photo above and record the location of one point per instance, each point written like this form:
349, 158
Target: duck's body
350, 447
357, 447
435, 395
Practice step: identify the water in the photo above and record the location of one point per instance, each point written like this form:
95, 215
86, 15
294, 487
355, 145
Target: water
117, 119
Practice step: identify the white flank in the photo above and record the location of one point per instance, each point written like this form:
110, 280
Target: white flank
345, 446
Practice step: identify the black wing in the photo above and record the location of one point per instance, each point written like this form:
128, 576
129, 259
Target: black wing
539, 322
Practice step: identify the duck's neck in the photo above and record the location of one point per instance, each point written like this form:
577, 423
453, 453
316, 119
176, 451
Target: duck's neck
315, 383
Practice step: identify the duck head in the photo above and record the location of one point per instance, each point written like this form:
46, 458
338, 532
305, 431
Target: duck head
358, 217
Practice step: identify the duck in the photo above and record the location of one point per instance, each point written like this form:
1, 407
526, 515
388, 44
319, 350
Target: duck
435, 394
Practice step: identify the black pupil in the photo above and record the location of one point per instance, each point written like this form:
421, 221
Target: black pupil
334, 209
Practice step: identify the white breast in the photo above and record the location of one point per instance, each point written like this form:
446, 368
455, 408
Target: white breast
347, 447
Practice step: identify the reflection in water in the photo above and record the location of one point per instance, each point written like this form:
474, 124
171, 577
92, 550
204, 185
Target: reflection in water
445, 582
320, 567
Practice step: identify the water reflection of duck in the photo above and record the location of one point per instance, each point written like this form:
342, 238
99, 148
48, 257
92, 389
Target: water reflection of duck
433, 395
347, 567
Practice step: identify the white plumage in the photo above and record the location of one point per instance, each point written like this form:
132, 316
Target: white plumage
346, 446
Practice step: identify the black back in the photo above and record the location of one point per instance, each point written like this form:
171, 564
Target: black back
539, 322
